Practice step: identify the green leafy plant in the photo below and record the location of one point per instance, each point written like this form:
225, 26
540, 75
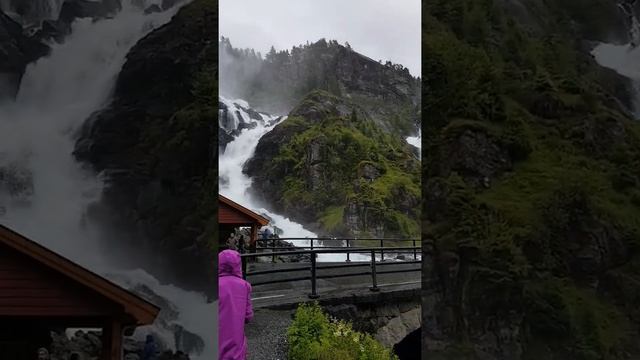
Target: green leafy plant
315, 336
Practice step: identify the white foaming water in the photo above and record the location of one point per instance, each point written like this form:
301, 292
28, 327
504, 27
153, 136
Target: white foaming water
416, 141
237, 183
56, 96
196, 315
626, 62
624, 59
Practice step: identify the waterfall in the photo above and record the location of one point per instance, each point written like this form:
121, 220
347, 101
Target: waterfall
234, 183
44, 193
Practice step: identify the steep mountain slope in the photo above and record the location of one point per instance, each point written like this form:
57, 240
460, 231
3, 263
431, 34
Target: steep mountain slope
339, 163
277, 83
531, 205
155, 144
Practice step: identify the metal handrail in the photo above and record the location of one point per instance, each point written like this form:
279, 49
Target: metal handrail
345, 239
313, 268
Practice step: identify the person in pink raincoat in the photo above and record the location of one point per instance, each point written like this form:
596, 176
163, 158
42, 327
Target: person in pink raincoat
234, 307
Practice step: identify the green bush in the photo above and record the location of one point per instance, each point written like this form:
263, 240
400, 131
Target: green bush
314, 336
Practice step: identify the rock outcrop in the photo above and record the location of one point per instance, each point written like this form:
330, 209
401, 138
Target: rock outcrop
388, 92
16, 51
329, 166
389, 319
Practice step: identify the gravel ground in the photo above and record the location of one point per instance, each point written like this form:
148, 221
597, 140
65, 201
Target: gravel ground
267, 334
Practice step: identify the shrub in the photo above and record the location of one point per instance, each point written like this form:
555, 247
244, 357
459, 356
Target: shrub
314, 336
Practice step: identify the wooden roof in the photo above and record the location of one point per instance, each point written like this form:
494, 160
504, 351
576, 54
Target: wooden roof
142, 311
230, 212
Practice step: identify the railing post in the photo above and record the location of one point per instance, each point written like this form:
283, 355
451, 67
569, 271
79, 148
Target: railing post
348, 253
415, 253
374, 275
244, 268
314, 292
273, 257
311, 243
381, 251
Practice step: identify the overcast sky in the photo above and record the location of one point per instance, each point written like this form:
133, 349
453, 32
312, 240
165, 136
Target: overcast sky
380, 29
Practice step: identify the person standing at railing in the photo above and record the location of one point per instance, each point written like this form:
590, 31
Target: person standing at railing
234, 307
266, 234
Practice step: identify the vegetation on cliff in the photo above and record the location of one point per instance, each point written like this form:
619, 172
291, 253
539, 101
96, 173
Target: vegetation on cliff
328, 164
531, 185
314, 336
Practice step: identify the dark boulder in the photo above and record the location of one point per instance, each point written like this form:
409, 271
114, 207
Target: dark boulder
58, 28
78, 9
16, 51
474, 155
152, 9
167, 4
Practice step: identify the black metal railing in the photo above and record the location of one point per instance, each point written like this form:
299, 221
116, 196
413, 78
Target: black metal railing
349, 244
313, 267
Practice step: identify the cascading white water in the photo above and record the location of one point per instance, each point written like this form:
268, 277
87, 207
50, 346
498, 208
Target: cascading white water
416, 141
624, 59
56, 96
236, 183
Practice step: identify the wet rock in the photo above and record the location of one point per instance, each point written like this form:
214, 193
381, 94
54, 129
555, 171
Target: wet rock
399, 327
167, 4
360, 218
78, 9
319, 105
16, 51
285, 246
52, 30
475, 156
369, 171
598, 134
16, 181
152, 9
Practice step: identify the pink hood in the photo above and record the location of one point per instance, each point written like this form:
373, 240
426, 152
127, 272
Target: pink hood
229, 263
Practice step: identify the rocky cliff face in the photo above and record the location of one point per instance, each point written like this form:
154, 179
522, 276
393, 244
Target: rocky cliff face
277, 83
155, 145
328, 165
530, 231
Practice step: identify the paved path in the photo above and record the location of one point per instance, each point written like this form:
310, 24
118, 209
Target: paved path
267, 334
